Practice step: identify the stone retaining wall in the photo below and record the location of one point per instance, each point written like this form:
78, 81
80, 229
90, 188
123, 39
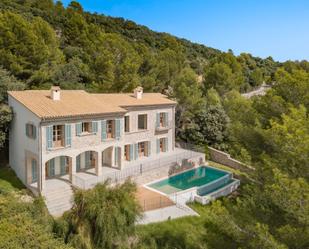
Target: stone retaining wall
226, 159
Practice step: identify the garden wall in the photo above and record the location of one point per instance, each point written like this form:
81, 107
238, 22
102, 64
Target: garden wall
225, 159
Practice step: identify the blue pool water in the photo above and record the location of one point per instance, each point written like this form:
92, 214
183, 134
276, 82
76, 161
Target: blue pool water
188, 179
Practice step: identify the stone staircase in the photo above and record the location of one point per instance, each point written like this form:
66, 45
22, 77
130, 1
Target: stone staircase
58, 198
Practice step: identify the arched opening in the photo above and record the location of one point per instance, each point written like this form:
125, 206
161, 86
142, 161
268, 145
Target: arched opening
107, 156
58, 167
86, 160
111, 157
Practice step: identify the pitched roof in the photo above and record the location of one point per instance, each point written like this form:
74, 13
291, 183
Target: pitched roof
128, 99
80, 103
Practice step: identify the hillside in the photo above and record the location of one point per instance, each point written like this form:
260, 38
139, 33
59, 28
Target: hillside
86, 43
42, 43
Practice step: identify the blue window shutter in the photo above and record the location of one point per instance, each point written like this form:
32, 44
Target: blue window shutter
87, 159
62, 165
103, 130
68, 135
136, 151
166, 119
131, 152
27, 133
49, 137
78, 128
166, 144
118, 128
158, 145
149, 148
78, 163
94, 126
34, 170
158, 120
51, 167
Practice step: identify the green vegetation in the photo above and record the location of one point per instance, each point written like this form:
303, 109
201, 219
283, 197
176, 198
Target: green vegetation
42, 43
25, 222
9, 181
102, 217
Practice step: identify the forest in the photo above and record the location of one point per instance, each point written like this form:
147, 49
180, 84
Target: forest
43, 43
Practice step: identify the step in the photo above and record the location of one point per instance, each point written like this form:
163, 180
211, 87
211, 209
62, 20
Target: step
60, 206
58, 195
60, 210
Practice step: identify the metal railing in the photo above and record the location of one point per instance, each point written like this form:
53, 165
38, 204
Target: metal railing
135, 170
155, 203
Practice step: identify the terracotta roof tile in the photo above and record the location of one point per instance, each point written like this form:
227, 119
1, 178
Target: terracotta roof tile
81, 103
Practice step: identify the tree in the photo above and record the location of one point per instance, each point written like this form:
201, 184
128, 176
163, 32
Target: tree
288, 142
26, 45
26, 224
189, 97
8, 83
6, 116
102, 217
221, 77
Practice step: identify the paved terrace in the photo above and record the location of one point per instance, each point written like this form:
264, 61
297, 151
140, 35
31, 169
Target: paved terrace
146, 170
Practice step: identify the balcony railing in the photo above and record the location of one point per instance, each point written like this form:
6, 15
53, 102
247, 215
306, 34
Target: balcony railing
135, 170
167, 126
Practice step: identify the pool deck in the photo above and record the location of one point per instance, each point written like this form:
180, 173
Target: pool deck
150, 200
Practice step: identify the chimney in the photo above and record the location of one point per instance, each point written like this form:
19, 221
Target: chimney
55, 93
138, 92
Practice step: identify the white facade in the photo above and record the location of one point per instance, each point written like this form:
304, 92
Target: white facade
30, 156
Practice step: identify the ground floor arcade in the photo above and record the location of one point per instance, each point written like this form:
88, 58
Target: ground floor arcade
87, 164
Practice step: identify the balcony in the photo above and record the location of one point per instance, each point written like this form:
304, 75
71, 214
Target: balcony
165, 127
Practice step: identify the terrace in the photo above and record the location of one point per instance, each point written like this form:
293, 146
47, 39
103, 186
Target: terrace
145, 170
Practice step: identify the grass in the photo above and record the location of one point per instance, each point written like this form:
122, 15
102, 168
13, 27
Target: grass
187, 232
9, 181
236, 172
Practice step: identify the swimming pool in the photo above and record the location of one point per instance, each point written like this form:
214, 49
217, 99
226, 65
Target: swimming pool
207, 178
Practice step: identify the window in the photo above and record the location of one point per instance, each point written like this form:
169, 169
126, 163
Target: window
127, 124
110, 128
86, 127
162, 119
142, 121
141, 149
30, 131
127, 152
163, 144
58, 135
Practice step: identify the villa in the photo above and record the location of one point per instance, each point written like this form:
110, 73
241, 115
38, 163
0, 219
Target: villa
64, 139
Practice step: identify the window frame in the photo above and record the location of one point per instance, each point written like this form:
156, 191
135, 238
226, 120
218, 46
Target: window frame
127, 123
58, 136
126, 152
145, 121
163, 144
31, 130
110, 131
142, 149
87, 125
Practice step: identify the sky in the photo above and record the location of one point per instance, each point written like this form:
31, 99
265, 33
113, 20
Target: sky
277, 28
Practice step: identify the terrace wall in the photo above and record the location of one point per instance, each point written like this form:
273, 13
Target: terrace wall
226, 159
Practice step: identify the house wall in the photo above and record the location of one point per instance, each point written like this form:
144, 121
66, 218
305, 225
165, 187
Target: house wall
20, 146
19, 142
135, 136
92, 142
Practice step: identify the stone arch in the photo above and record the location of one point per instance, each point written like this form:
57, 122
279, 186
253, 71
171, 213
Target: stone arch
86, 160
58, 166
